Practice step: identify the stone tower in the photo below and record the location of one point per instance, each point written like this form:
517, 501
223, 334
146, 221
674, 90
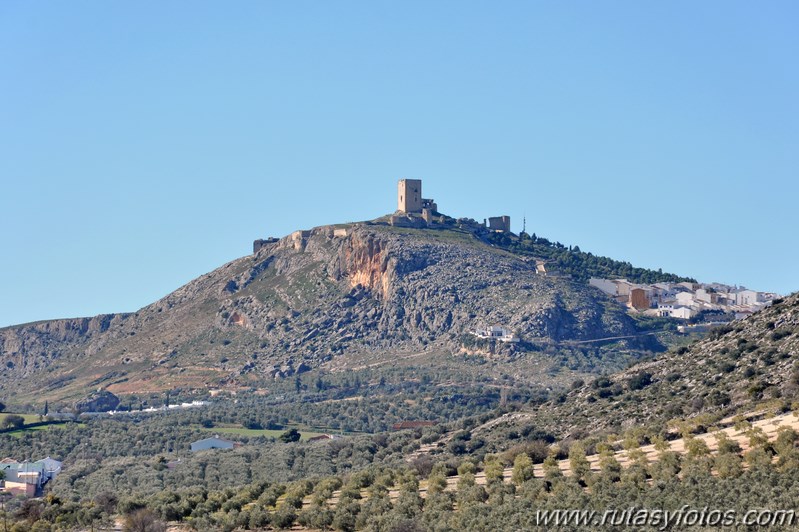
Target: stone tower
499, 224
409, 195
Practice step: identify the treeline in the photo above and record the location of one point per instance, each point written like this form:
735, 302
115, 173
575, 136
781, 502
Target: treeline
371, 400
580, 265
387, 497
150, 453
372, 412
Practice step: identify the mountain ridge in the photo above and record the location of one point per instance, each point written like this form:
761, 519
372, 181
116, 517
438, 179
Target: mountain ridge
305, 299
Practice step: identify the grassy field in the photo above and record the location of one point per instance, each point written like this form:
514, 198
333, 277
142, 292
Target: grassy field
20, 432
29, 418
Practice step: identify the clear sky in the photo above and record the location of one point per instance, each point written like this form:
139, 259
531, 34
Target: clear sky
145, 143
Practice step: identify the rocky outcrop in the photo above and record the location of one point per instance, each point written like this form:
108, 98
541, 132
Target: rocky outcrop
99, 401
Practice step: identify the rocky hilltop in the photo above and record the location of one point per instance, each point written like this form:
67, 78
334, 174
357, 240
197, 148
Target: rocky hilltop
324, 298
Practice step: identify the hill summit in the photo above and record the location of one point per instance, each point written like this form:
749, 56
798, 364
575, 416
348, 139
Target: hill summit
416, 285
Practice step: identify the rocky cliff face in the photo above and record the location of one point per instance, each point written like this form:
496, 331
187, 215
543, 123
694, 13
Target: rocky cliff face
30, 348
312, 299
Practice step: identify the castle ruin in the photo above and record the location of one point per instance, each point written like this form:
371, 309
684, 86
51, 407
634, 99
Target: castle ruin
415, 211
500, 224
410, 200
412, 209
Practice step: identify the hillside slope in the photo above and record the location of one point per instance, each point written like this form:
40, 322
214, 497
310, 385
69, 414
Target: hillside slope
363, 295
747, 366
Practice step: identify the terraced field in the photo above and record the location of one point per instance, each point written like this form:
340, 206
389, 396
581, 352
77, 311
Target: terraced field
770, 428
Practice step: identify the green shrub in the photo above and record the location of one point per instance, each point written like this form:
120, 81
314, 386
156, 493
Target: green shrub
640, 380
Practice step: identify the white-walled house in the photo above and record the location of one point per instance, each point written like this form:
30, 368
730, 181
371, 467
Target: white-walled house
51, 467
606, 285
675, 311
683, 313
748, 298
705, 296
496, 332
28, 478
664, 291
664, 310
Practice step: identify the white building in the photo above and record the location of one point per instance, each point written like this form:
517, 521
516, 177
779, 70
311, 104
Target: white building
606, 285
686, 299
683, 313
675, 311
664, 310
496, 332
664, 291
706, 296
50, 467
748, 298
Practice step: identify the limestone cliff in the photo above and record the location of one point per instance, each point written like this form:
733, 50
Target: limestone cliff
26, 349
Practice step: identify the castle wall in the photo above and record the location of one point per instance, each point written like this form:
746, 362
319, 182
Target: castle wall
399, 220
260, 243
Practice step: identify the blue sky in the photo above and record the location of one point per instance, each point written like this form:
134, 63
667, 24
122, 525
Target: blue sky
145, 143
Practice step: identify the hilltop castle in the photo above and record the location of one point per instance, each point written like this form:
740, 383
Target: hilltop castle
409, 197
415, 211
410, 202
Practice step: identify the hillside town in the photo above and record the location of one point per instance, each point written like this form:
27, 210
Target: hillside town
684, 300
